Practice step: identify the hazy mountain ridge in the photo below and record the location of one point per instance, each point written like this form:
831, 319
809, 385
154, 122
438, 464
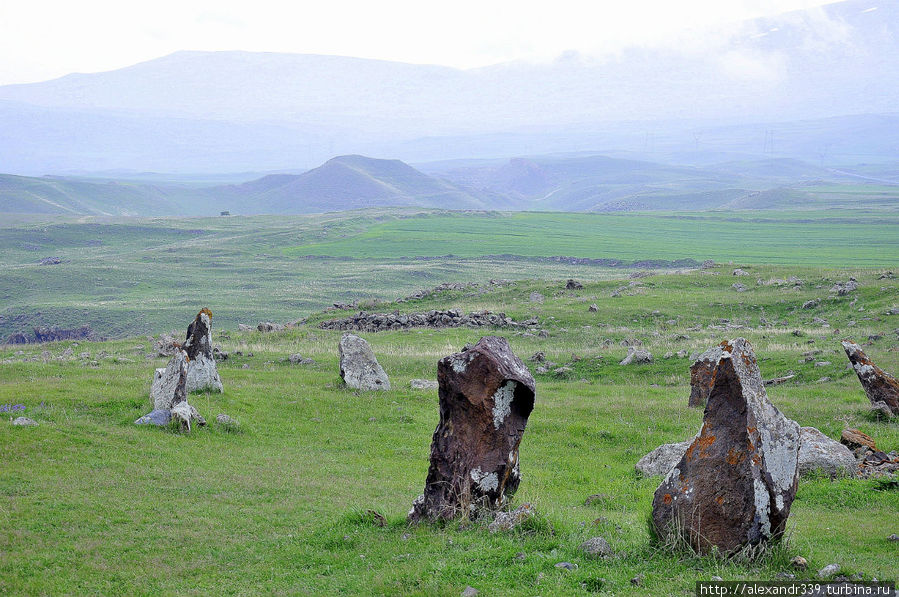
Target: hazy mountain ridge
238, 111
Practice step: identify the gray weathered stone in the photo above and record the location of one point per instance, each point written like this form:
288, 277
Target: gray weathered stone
661, 460
596, 547
506, 521
202, 373
636, 355
736, 482
166, 381
423, 384
24, 422
358, 366
817, 452
158, 417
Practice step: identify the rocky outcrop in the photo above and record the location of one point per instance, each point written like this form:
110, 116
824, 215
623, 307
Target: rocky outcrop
736, 482
661, 460
359, 368
817, 452
573, 285
879, 385
452, 318
202, 373
486, 396
17, 338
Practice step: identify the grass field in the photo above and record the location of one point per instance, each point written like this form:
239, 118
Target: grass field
136, 276
91, 504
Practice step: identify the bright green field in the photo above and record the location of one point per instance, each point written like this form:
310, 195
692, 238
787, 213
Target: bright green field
812, 238
91, 504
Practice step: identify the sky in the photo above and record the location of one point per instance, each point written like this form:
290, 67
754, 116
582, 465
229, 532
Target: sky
43, 39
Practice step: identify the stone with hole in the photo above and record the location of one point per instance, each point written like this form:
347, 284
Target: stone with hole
486, 396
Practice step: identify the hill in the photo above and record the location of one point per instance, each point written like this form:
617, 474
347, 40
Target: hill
350, 182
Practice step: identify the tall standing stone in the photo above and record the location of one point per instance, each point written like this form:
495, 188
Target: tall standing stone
879, 385
358, 366
735, 484
486, 396
202, 373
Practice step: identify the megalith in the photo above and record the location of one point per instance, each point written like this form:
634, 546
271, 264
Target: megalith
736, 482
202, 373
486, 396
358, 366
879, 385
702, 375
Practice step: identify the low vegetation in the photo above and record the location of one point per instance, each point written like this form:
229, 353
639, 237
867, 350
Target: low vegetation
310, 492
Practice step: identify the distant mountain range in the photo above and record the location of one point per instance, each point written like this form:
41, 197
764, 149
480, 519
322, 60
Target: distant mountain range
579, 183
779, 87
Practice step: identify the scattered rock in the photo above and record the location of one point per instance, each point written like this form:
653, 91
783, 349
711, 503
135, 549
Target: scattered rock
486, 396
856, 440
882, 409
596, 547
536, 297
817, 452
159, 417
636, 356
828, 571
268, 326
811, 304
24, 422
566, 566
506, 521
739, 287
844, 288
593, 308
637, 581
799, 563
470, 592
879, 385
50, 261
779, 380
423, 384
452, 318
708, 264
573, 285
226, 421
740, 272
298, 359
893, 537
597, 497
538, 357
736, 482
661, 460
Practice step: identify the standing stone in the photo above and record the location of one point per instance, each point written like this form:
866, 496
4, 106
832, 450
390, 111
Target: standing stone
736, 482
358, 366
202, 373
702, 375
879, 385
169, 395
486, 396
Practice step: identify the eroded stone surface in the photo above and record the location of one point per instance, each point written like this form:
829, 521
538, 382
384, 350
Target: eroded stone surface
702, 375
736, 482
636, 355
358, 366
879, 385
486, 396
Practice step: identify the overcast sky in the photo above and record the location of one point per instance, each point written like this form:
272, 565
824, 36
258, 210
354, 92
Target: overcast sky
43, 39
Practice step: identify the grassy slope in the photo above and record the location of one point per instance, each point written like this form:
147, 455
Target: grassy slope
92, 504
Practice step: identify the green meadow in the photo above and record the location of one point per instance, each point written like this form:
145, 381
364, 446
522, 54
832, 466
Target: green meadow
92, 504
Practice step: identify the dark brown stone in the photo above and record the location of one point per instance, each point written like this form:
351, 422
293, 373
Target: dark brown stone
735, 483
199, 336
486, 395
879, 385
702, 375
